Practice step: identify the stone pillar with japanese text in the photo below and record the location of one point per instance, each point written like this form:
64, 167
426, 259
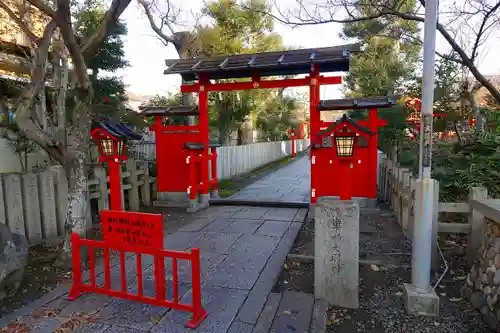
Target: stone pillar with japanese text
336, 263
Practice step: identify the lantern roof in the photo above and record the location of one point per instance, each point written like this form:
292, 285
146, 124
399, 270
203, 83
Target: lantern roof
356, 103
345, 121
168, 110
116, 130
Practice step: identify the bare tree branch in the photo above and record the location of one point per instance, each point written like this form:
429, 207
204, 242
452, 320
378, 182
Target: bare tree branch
157, 29
482, 29
379, 10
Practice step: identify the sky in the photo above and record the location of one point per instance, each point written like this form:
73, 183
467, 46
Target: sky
147, 54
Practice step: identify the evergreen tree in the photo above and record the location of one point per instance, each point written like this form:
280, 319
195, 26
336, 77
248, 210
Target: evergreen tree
391, 53
110, 96
237, 29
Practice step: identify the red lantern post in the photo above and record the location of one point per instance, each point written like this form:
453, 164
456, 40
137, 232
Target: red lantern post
112, 146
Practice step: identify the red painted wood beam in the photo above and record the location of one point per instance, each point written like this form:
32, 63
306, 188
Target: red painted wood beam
260, 84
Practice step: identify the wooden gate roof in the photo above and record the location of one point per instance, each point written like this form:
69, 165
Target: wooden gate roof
277, 63
356, 103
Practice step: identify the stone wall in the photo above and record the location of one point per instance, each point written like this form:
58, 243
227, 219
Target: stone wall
483, 281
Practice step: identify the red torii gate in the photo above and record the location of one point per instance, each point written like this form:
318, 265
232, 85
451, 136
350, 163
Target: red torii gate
201, 71
415, 104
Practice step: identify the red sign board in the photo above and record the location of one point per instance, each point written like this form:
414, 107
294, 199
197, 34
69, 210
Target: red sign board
132, 228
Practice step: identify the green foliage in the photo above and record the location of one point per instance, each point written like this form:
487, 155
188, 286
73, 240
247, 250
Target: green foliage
110, 56
276, 116
448, 89
459, 169
237, 29
170, 99
492, 115
109, 91
390, 54
395, 131
474, 165
386, 66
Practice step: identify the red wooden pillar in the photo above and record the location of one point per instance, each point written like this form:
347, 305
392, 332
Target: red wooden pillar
115, 191
215, 186
315, 121
161, 157
292, 137
193, 180
203, 127
373, 153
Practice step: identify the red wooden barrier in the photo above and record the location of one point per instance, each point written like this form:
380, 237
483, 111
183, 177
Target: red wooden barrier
126, 232
197, 183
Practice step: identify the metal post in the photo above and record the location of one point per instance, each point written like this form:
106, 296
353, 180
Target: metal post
422, 234
419, 297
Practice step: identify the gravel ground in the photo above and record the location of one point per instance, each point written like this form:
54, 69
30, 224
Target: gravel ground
382, 311
388, 256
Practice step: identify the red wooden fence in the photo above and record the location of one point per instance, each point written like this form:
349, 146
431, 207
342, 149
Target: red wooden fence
79, 288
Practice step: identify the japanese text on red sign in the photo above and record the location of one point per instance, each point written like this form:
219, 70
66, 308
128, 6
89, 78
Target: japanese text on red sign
132, 228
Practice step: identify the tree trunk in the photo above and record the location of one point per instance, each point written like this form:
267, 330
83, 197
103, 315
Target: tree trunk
61, 97
78, 196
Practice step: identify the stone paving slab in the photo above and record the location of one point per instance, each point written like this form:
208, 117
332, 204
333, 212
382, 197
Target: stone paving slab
42, 324
180, 240
301, 215
273, 228
208, 263
221, 304
242, 254
217, 212
216, 242
218, 225
85, 303
254, 245
294, 313
238, 272
252, 213
268, 313
257, 297
239, 327
280, 214
319, 318
290, 183
197, 224
246, 227
118, 329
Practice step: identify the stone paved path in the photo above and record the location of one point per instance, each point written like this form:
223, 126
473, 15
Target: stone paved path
242, 253
290, 183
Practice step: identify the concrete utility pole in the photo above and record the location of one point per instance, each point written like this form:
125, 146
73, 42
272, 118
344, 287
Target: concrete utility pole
419, 297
